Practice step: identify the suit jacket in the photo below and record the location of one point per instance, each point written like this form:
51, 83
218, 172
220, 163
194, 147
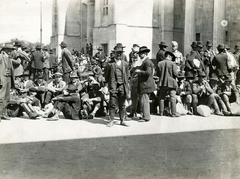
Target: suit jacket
160, 55
111, 77
187, 88
146, 82
167, 73
220, 62
37, 60
67, 61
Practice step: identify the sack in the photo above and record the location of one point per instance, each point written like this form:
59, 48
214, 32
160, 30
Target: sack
231, 62
204, 110
235, 108
180, 109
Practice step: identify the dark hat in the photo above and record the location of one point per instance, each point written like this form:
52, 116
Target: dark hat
209, 43
32, 50
143, 49
220, 47
17, 44
63, 44
163, 44
228, 78
45, 48
171, 54
226, 46
38, 47
194, 44
8, 46
120, 45
181, 75
237, 47
118, 49
73, 74
23, 47
51, 50
201, 74
72, 87
135, 45
188, 74
214, 77
200, 44
100, 49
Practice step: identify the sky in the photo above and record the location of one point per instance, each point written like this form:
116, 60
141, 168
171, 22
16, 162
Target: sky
21, 19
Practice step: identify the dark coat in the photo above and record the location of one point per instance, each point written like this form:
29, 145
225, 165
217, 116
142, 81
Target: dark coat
220, 62
37, 60
187, 88
53, 61
111, 77
167, 73
146, 82
160, 55
67, 61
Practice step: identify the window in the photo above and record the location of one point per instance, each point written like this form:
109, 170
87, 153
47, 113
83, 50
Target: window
198, 36
105, 7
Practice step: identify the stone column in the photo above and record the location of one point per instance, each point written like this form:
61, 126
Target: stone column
90, 21
218, 29
189, 25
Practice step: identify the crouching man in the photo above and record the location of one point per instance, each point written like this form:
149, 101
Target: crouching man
69, 104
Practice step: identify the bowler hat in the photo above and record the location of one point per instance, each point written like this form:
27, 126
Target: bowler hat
73, 74
214, 77
163, 44
38, 47
200, 44
100, 49
45, 48
209, 43
17, 44
171, 54
143, 49
181, 75
71, 87
63, 44
220, 47
194, 44
201, 74
228, 78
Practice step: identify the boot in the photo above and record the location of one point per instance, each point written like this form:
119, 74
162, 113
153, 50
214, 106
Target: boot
195, 108
216, 108
161, 107
224, 108
174, 110
111, 117
4, 114
31, 114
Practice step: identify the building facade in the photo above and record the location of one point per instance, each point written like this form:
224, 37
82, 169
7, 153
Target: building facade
145, 22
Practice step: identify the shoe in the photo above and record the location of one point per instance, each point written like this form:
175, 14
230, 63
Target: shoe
143, 120
90, 116
161, 114
54, 118
189, 113
175, 115
124, 124
5, 117
227, 113
218, 113
110, 124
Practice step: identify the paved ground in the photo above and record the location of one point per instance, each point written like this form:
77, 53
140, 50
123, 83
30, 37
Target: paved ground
163, 148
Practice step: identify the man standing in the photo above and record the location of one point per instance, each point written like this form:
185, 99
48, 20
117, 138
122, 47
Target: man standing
6, 82
37, 59
161, 53
167, 73
100, 57
135, 49
116, 75
178, 56
146, 83
45, 63
208, 57
67, 62
53, 62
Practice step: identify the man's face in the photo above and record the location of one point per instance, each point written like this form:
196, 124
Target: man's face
169, 57
74, 80
209, 47
142, 55
200, 49
57, 78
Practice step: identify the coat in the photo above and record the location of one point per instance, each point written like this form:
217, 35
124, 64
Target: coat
220, 61
67, 61
111, 77
167, 73
146, 82
37, 60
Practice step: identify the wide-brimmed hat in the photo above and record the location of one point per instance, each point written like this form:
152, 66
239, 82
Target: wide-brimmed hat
38, 47
163, 44
209, 43
228, 78
220, 47
181, 75
143, 49
200, 44
194, 44
63, 44
100, 49
73, 74
201, 74
214, 77
171, 54
45, 48
17, 44
72, 87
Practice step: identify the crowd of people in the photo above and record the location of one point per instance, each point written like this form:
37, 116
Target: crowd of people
34, 83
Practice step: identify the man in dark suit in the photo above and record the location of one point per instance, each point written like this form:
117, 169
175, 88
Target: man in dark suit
146, 84
167, 73
67, 62
161, 53
116, 75
100, 57
37, 59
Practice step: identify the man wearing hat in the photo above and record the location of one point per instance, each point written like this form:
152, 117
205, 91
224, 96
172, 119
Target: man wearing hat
53, 62
135, 49
208, 57
161, 53
167, 73
67, 62
229, 93
184, 90
117, 75
69, 104
45, 63
123, 56
6, 83
220, 62
37, 60
178, 56
100, 57
204, 94
146, 84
